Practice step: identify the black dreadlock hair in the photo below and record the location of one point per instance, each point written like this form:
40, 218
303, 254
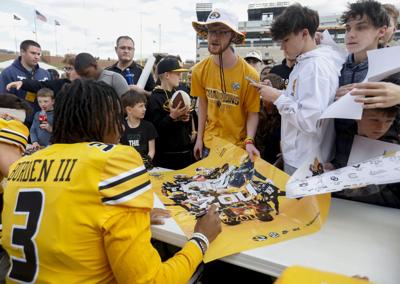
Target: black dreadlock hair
84, 111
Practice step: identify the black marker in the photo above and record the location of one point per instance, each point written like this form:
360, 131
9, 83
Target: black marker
200, 214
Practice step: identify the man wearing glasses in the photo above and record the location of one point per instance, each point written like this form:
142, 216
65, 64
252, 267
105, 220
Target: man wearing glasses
228, 105
128, 68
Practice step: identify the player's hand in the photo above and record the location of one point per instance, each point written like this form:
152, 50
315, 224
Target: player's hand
377, 94
343, 90
178, 111
157, 215
252, 151
198, 148
14, 85
210, 224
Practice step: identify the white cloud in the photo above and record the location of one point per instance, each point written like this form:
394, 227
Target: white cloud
93, 25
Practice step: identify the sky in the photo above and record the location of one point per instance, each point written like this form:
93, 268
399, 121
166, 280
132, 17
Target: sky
93, 25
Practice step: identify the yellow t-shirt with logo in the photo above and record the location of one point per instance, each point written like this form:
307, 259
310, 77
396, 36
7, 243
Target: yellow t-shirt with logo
80, 213
226, 113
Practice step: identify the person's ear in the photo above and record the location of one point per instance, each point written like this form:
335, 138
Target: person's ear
128, 109
382, 31
306, 33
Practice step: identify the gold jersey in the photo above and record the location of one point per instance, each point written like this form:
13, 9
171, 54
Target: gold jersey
79, 213
226, 111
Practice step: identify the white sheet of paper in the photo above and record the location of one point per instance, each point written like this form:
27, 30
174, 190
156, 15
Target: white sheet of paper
382, 63
345, 107
328, 40
380, 170
365, 148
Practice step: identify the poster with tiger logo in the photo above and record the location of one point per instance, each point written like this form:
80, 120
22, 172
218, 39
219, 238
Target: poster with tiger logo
250, 196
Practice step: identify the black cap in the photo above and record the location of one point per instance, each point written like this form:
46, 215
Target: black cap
170, 64
83, 61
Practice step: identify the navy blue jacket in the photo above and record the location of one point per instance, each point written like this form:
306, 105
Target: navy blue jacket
353, 72
17, 72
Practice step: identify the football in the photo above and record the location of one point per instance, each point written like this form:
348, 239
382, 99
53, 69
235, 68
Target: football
180, 97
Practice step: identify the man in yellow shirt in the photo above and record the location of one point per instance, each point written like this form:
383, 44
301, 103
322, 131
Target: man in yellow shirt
228, 105
78, 211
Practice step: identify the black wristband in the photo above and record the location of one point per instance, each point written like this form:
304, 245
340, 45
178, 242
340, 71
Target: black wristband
200, 243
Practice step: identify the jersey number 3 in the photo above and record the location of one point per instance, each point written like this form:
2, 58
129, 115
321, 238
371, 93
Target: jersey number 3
29, 203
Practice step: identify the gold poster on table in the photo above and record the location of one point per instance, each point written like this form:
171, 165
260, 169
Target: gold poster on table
251, 199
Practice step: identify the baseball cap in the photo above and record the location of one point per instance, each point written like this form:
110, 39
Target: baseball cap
254, 54
170, 64
220, 16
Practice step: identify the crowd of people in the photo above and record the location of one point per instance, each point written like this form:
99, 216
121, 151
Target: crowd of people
84, 188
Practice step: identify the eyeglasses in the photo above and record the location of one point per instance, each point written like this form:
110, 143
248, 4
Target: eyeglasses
68, 68
219, 33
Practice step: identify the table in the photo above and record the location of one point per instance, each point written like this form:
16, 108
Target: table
357, 239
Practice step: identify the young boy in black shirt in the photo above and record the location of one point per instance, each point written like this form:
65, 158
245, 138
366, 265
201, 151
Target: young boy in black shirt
138, 133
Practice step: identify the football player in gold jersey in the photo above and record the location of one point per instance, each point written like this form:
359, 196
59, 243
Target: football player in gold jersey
13, 140
78, 211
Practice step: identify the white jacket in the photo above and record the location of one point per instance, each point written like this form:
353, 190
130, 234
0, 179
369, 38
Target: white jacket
311, 89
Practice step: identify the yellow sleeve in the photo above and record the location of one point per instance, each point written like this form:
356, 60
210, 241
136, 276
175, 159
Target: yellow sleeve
134, 260
197, 90
14, 132
252, 102
124, 180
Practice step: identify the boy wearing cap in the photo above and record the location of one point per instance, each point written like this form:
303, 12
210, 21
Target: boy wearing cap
173, 124
228, 105
254, 58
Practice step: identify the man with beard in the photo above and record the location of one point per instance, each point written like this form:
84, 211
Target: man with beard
228, 105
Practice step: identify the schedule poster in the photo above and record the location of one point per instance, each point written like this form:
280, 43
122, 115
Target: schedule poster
252, 205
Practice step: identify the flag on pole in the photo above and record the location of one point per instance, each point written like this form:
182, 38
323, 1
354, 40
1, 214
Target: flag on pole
16, 18
57, 23
40, 16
